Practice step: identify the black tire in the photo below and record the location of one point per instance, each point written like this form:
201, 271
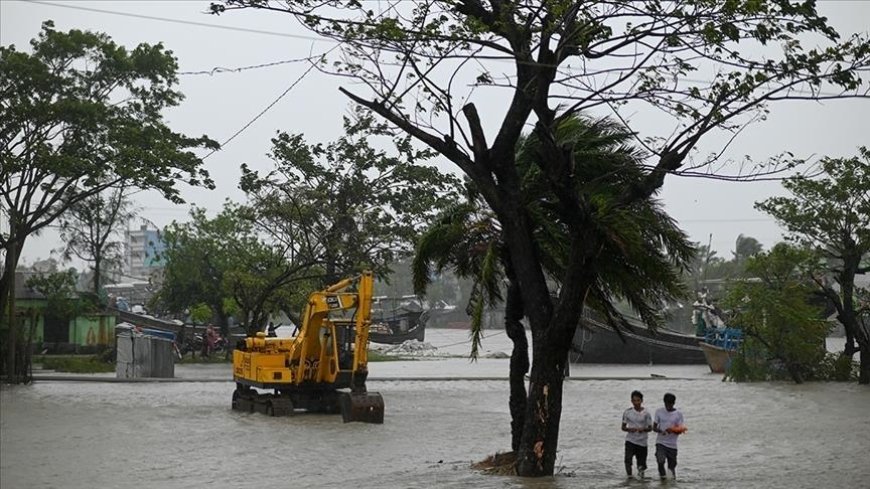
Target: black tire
235, 403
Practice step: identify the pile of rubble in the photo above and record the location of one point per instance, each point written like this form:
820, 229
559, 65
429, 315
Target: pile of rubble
410, 348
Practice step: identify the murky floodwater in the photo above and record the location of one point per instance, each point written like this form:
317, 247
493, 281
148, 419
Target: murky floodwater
92, 435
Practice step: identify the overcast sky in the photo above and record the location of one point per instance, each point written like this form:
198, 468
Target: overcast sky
219, 104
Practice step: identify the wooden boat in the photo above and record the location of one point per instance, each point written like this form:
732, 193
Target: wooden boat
719, 347
597, 342
718, 358
399, 329
396, 320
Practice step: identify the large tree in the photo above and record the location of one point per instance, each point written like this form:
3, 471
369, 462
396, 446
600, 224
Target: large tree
831, 213
81, 115
90, 229
425, 66
224, 263
640, 259
346, 205
784, 332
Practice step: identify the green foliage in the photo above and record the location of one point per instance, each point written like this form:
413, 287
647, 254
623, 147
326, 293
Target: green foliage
107, 101
785, 334
634, 252
201, 313
346, 205
80, 115
59, 289
640, 256
838, 367
376, 356
89, 364
831, 214
223, 264
195, 260
87, 230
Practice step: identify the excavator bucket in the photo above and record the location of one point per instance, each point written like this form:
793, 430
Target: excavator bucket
365, 407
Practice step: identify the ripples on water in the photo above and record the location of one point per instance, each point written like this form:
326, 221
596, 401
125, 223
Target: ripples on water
90, 435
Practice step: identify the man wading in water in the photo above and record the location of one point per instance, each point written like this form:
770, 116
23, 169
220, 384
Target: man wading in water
668, 423
636, 422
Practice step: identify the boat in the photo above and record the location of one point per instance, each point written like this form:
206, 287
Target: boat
720, 347
399, 329
396, 320
719, 342
597, 342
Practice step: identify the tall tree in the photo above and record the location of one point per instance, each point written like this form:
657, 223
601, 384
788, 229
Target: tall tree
643, 251
89, 230
222, 262
784, 330
832, 215
559, 58
347, 205
746, 247
81, 115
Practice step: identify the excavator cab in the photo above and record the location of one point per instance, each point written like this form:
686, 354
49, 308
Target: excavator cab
323, 368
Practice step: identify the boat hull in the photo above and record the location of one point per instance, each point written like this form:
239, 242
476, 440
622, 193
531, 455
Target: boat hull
418, 333
398, 328
596, 342
719, 359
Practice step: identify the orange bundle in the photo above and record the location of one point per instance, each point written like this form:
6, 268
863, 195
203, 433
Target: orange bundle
677, 428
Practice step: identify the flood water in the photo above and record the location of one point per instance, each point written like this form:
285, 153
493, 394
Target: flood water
181, 435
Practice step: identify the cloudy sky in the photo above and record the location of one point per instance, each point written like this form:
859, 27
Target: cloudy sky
221, 101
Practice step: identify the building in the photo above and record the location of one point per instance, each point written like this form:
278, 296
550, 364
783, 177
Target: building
81, 332
142, 251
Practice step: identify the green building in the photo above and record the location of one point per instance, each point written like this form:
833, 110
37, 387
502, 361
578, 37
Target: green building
83, 333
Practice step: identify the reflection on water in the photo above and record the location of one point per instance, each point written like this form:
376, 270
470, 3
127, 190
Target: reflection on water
87, 435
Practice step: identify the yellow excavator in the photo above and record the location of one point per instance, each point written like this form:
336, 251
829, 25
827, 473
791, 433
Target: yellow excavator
321, 369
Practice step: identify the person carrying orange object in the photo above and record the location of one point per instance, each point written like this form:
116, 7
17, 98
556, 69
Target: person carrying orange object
636, 423
665, 421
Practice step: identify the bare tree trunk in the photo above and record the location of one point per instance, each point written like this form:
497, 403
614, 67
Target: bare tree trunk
98, 265
519, 364
864, 366
537, 453
794, 371
12, 370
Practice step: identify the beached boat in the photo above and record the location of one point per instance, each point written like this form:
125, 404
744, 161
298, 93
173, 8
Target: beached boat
720, 347
399, 329
597, 342
398, 319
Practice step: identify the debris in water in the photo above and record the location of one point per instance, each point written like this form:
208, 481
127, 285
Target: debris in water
498, 464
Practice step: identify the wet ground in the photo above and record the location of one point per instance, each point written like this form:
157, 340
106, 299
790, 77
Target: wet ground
93, 435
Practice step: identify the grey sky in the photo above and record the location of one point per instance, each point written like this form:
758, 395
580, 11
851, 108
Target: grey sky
222, 103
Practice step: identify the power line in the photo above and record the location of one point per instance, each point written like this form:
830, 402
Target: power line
271, 33
185, 22
266, 109
220, 69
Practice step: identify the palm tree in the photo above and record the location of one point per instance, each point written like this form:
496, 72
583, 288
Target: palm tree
467, 238
637, 250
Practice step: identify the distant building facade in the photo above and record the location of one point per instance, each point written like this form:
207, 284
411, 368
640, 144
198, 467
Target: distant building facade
142, 251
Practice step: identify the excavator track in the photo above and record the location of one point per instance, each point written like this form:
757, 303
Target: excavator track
248, 401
